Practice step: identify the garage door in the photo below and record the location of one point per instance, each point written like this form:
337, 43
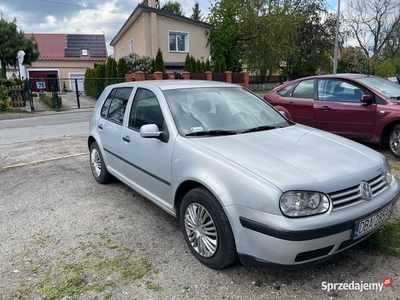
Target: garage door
80, 78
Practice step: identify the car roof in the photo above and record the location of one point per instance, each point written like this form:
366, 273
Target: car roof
341, 75
178, 84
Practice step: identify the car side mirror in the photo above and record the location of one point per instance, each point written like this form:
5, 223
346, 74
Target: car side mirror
150, 131
367, 99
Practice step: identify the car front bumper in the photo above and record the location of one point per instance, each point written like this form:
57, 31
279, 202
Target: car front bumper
275, 247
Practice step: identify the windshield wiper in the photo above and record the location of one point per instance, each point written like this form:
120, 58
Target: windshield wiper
212, 132
396, 98
260, 128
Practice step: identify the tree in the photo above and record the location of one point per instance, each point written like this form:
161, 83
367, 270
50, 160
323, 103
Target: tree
208, 65
111, 70
196, 14
122, 68
136, 63
385, 68
159, 62
173, 7
224, 37
315, 38
193, 63
31, 51
353, 60
11, 41
188, 64
199, 66
372, 23
146, 2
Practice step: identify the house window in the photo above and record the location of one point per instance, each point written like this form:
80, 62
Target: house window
84, 52
178, 41
130, 46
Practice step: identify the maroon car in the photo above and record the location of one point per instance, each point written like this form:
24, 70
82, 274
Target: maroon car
357, 106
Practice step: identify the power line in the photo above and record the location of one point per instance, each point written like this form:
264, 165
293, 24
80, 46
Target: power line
84, 7
102, 23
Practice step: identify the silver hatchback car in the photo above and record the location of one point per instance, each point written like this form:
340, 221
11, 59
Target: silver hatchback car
243, 181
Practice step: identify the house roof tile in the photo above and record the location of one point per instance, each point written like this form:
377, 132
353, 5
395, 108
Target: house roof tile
55, 46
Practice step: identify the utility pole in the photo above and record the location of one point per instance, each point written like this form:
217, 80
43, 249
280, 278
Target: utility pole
1, 15
336, 39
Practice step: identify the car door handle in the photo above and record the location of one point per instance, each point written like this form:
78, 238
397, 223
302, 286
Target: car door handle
325, 108
100, 126
291, 103
126, 139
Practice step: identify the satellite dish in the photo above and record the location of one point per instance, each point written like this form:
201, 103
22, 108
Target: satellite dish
20, 56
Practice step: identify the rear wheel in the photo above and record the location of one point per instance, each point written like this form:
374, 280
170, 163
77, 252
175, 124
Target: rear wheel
97, 165
394, 141
206, 229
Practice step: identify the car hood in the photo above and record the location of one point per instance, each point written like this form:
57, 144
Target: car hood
298, 156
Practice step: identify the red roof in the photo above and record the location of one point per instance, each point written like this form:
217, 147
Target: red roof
52, 47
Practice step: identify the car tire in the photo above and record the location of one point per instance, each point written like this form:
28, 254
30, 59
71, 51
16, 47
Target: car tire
97, 165
394, 141
206, 229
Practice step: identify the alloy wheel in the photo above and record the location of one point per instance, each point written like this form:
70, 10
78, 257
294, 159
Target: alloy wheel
201, 230
394, 142
95, 162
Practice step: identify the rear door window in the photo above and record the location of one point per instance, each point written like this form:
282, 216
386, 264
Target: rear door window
114, 107
305, 89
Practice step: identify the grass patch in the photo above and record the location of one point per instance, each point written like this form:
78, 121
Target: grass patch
387, 239
154, 286
88, 267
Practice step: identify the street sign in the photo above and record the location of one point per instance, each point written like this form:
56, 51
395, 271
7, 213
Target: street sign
40, 85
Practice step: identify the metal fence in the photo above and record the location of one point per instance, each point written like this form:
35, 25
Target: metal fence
57, 94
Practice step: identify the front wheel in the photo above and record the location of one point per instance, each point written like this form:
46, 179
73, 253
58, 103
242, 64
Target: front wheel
206, 229
97, 165
394, 141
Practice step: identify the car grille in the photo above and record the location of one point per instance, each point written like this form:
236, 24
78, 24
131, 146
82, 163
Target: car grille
352, 195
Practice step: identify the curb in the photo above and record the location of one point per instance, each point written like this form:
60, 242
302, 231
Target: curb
45, 113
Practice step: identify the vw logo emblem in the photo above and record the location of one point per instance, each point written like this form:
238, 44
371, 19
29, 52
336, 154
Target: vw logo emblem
365, 190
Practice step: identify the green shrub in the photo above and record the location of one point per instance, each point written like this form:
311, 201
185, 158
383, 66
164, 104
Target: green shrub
4, 101
48, 99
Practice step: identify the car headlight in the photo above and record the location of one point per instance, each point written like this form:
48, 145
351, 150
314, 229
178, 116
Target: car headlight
387, 172
302, 203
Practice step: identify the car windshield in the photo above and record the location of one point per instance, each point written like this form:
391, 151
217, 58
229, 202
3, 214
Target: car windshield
221, 111
387, 88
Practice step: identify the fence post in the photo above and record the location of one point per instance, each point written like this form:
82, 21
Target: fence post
97, 89
158, 75
139, 76
53, 83
246, 79
29, 91
208, 75
171, 75
77, 93
228, 76
186, 75
23, 93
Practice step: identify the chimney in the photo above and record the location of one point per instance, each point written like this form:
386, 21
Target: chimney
152, 3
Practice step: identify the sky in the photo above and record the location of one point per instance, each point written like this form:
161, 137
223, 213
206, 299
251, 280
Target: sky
83, 16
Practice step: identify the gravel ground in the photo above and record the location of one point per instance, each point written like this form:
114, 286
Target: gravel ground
63, 236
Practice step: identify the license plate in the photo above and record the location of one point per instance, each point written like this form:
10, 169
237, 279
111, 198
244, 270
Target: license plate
370, 223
